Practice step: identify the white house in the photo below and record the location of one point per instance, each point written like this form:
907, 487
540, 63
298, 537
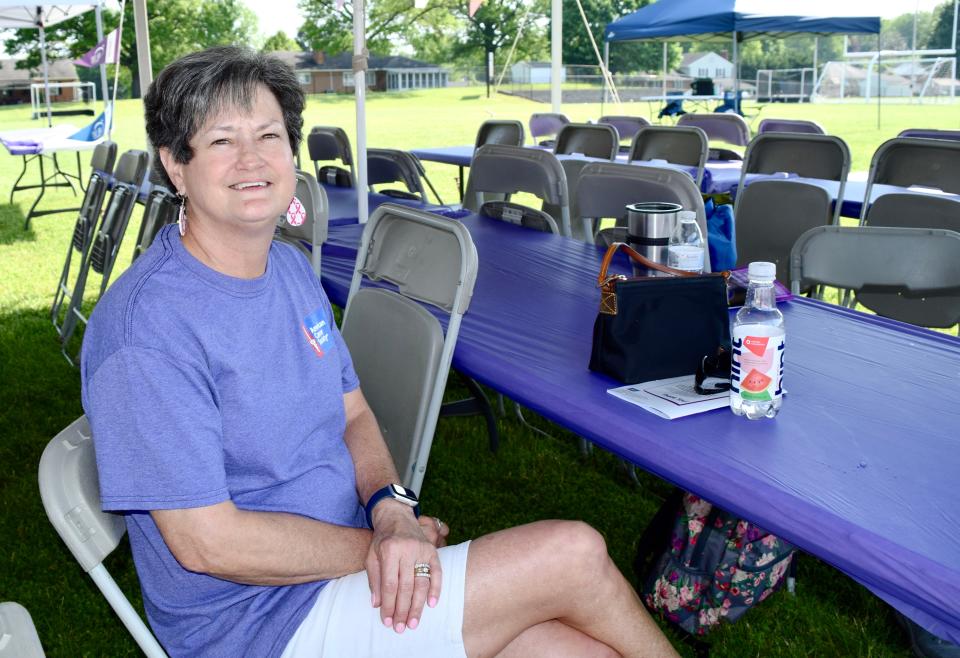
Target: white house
706, 65
534, 73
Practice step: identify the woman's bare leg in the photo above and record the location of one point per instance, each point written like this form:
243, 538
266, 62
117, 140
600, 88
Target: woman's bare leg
523, 577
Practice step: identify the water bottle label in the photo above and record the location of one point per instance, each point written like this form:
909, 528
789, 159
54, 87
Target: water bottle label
685, 258
756, 371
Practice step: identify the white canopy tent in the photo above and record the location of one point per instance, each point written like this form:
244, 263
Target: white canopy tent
41, 15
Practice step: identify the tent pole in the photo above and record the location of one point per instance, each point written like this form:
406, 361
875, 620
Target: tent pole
103, 65
813, 83
664, 71
736, 74
46, 76
142, 29
879, 80
606, 65
360, 92
556, 53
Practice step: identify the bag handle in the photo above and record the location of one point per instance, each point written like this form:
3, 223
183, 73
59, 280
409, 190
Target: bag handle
640, 258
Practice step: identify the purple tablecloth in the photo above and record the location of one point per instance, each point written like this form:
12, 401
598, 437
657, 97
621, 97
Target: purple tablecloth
860, 468
343, 203
718, 176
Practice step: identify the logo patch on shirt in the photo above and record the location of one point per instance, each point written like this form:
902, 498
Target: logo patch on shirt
317, 330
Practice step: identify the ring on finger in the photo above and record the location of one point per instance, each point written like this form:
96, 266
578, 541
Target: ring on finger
421, 570
439, 524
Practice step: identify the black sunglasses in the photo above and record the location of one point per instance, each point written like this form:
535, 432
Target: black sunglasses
713, 366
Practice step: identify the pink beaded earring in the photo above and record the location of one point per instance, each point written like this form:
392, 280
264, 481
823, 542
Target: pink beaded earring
296, 213
182, 215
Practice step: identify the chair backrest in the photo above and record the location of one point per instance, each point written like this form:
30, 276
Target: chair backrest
591, 140
386, 166
512, 169
70, 490
545, 124
605, 189
18, 635
399, 350
790, 126
520, 215
160, 209
724, 127
909, 161
769, 217
309, 236
683, 145
500, 131
920, 266
330, 144
626, 126
825, 157
127, 179
101, 164
931, 133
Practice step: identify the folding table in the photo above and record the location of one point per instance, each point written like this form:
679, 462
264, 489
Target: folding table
860, 467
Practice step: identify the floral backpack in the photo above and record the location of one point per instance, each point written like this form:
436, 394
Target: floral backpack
715, 568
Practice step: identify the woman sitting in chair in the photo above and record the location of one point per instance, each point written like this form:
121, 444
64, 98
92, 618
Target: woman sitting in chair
231, 432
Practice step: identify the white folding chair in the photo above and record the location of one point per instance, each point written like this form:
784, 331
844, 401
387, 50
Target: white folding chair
70, 490
399, 349
18, 636
309, 236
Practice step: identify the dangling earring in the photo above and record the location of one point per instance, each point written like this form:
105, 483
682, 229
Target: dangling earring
182, 215
296, 213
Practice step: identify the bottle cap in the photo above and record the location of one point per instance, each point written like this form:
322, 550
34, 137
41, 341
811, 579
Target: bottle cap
762, 271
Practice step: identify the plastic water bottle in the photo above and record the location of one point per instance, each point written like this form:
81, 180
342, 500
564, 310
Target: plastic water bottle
756, 371
685, 251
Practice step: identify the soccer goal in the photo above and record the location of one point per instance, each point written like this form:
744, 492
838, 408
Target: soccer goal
918, 79
785, 85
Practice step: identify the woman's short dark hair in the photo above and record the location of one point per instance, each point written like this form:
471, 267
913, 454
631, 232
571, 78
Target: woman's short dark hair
198, 86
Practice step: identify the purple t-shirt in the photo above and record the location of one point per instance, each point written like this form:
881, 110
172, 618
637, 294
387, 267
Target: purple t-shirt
202, 388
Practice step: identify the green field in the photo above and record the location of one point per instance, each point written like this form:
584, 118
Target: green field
531, 477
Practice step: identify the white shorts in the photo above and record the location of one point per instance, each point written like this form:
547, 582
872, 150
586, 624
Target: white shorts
343, 623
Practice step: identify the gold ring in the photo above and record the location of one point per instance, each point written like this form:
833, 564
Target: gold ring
421, 570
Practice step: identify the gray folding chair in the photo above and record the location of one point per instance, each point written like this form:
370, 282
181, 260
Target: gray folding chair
387, 166
909, 161
309, 236
520, 215
105, 246
682, 145
546, 124
506, 170
790, 126
589, 139
399, 350
931, 133
825, 157
625, 126
330, 143
769, 217
500, 131
101, 165
70, 490
605, 189
18, 636
725, 127
160, 209
920, 266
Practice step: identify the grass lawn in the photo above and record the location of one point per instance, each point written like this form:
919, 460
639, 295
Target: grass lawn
531, 477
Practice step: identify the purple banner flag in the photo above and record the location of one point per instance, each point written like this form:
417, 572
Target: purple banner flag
107, 51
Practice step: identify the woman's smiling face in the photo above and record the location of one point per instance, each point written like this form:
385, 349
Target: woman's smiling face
242, 171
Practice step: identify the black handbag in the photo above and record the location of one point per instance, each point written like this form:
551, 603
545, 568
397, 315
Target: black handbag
657, 327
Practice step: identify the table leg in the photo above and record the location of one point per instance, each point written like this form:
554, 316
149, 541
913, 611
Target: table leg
460, 183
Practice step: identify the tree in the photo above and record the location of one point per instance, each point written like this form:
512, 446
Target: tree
177, 27
329, 29
941, 35
625, 55
279, 41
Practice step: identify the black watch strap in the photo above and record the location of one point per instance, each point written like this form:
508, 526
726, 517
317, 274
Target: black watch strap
396, 492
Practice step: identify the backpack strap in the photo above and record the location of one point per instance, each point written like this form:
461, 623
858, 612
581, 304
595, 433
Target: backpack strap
656, 535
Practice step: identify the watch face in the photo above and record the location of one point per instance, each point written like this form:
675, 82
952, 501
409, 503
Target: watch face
404, 495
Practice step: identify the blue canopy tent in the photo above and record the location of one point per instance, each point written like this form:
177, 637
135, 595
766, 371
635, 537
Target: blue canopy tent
738, 21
